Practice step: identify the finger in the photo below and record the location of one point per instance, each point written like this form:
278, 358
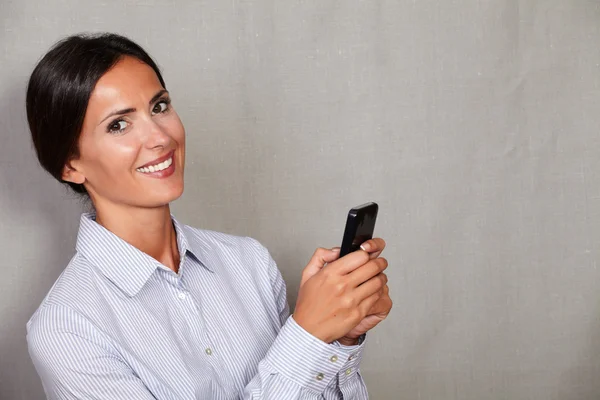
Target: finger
367, 271
370, 287
373, 246
317, 262
368, 303
350, 262
383, 305
336, 250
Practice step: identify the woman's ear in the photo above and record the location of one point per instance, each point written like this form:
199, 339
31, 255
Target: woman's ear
72, 174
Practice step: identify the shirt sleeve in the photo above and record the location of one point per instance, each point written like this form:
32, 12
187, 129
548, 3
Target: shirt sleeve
74, 363
301, 366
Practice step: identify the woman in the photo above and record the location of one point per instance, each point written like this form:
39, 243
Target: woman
149, 307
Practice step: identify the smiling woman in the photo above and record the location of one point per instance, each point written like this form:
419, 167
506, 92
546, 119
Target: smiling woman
143, 133
149, 308
128, 125
59, 91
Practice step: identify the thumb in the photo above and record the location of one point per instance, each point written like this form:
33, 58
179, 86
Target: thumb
318, 261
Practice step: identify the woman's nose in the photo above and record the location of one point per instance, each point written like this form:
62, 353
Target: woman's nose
157, 136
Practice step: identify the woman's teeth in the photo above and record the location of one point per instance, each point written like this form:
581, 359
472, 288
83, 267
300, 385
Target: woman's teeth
158, 167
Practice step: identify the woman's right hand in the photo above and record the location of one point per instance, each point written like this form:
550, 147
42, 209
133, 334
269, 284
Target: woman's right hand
334, 299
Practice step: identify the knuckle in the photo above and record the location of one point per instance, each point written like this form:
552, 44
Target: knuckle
356, 314
339, 287
319, 251
382, 263
364, 257
384, 278
379, 282
348, 303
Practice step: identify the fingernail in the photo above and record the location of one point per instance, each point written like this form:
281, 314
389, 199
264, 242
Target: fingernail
335, 249
365, 246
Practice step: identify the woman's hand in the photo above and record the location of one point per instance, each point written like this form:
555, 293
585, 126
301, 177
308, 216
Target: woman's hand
379, 311
376, 314
345, 298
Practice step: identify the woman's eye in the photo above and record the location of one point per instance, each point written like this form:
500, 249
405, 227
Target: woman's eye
117, 126
160, 107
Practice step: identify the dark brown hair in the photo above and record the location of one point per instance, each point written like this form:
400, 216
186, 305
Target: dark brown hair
59, 90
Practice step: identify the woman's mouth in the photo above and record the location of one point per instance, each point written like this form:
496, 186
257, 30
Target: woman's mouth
160, 169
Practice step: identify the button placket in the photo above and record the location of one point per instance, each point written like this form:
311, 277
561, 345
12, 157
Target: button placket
194, 319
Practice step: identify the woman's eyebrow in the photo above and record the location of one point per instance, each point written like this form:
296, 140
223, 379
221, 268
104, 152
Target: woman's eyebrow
157, 96
130, 110
118, 112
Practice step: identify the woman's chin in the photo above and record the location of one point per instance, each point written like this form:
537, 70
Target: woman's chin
170, 196
159, 197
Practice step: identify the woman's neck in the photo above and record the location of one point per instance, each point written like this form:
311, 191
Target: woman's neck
150, 230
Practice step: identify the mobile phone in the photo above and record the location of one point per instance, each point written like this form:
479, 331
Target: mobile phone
359, 227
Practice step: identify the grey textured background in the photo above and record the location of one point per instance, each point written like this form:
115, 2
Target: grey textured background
474, 124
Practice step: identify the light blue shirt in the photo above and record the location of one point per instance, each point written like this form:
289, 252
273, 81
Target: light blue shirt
117, 324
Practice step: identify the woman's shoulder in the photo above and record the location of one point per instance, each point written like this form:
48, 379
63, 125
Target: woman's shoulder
70, 292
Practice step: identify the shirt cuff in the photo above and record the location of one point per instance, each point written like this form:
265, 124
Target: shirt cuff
308, 361
352, 361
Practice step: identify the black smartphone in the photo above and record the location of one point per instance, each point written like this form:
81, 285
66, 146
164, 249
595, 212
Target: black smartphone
359, 227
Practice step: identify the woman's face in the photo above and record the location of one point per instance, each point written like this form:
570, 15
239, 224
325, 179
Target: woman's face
132, 146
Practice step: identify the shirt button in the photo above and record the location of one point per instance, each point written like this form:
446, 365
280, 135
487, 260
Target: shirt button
348, 371
350, 358
320, 376
333, 358
208, 351
181, 296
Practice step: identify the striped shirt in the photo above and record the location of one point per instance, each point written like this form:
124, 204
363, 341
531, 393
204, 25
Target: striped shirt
117, 324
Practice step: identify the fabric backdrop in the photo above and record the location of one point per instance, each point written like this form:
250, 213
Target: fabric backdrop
470, 122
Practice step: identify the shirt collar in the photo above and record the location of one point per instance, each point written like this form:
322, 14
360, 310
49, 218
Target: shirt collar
188, 241
123, 264
196, 244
